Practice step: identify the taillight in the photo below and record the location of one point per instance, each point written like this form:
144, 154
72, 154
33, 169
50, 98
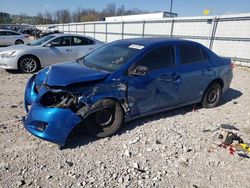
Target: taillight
231, 66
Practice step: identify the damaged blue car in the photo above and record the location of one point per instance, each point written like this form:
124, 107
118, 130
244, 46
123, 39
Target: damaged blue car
121, 81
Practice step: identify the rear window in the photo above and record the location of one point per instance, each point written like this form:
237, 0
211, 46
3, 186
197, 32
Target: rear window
192, 54
78, 41
10, 33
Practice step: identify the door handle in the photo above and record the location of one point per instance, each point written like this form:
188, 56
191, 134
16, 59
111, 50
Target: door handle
173, 77
68, 50
177, 80
208, 69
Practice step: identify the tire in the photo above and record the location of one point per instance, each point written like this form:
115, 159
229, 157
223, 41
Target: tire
19, 42
28, 64
107, 121
212, 95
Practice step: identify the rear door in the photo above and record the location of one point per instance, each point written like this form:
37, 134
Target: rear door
158, 89
2, 39
196, 71
11, 37
82, 46
5, 38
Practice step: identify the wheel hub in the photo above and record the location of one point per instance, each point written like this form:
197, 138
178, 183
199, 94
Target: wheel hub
212, 96
104, 118
28, 65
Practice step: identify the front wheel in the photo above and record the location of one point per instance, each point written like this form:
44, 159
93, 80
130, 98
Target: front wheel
107, 121
212, 95
28, 64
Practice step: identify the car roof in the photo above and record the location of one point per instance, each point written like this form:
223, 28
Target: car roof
153, 41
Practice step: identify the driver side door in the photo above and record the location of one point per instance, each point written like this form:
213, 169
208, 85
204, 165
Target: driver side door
158, 88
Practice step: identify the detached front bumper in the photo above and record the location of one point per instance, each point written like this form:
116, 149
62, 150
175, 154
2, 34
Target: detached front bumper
30, 93
51, 124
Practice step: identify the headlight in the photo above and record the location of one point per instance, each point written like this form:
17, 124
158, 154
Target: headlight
8, 54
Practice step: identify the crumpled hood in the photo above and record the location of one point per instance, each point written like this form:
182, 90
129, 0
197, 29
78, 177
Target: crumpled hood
64, 74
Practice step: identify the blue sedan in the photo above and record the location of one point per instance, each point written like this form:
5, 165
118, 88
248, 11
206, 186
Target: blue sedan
121, 81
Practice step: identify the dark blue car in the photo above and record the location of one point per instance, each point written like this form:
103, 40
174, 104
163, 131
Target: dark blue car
121, 81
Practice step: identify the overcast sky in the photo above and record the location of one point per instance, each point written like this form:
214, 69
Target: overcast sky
182, 7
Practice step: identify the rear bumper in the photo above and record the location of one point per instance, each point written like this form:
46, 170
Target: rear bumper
227, 79
51, 124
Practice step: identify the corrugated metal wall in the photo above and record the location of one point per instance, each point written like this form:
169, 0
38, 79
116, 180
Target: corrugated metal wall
226, 35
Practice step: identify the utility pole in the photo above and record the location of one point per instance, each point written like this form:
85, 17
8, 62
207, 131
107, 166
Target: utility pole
171, 5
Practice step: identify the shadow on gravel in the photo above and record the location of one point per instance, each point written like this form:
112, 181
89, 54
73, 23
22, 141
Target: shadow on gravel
12, 71
231, 94
81, 138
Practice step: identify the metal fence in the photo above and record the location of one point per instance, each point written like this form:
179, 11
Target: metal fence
226, 35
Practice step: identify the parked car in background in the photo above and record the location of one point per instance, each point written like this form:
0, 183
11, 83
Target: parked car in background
9, 37
51, 49
121, 81
50, 30
31, 31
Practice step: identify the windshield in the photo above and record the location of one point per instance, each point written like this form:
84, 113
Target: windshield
41, 41
112, 56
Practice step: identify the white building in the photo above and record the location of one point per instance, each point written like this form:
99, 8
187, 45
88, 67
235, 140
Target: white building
141, 17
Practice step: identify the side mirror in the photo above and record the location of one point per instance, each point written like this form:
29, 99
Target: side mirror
140, 71
49, 45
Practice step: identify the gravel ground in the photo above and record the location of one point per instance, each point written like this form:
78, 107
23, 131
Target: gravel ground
171, 149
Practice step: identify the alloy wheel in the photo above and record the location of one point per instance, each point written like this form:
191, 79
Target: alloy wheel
28, 65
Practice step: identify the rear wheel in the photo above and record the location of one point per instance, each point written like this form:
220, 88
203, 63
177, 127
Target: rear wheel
28, 64
212, 95
19, 42
107, 121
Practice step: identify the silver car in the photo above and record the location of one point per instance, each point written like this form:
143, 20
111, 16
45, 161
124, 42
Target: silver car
8, 37
51, 49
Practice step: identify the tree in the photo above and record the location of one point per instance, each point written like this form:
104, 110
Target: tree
63, 16
110, 10
76, 15
39, 18
47, 17
121, 11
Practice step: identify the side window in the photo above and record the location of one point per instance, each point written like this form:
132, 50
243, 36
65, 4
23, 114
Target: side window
78, 41
61, 41
66, 41
192, 54
1, 33
13, 33
9, 33
158, 58
57, 42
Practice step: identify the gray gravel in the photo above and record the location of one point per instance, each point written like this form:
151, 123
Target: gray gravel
171, 149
